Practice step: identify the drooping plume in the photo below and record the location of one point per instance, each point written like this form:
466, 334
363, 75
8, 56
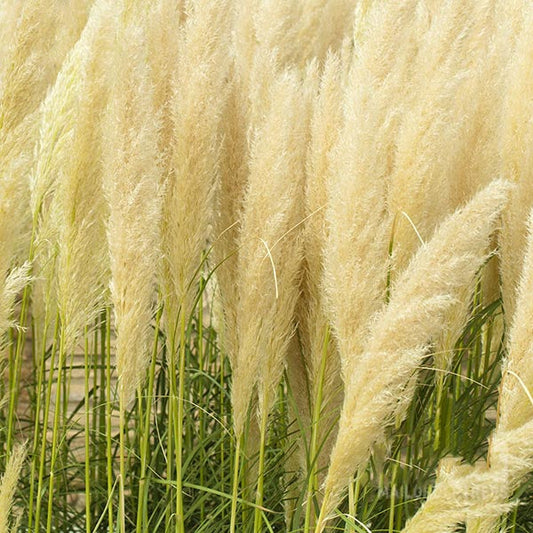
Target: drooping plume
401, 333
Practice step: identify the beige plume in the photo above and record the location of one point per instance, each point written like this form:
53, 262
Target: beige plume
402, 332
132, 185
8, 486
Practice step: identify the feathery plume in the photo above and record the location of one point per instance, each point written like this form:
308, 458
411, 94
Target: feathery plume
58, 134
13, 190
356, 251
298, 30
517, 157
8, 485
133, 190
82, 264
327, 115
193, 176
446, 142
270, 248
510, 446
305, 362
163, 22
401, 332
430, 160
450, 502
15, 281
31, 54
233, 172
27, 67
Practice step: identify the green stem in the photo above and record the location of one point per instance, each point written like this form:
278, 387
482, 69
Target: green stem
55, 427
108, 428
171, 433
180, 523
392, 505
235, 490
200, 386
122, 466
321, 522
42, 456
258, 518
14, 371
37, 429
142, 501
14, 374
87, 435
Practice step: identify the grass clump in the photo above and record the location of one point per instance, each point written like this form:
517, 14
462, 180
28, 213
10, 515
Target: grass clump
265, 268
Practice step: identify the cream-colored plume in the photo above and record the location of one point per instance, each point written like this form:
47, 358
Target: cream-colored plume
356, 255
35, 39
451, 502
82, 263
478, 495
54, 164
270, 248
517, 154
233, 168
299, 30
434, 142
314, 368
28, 63
295, 32
14, 283
13, 192
199, 95
163, 20
132, 185
447, 143
8, 486
401, 333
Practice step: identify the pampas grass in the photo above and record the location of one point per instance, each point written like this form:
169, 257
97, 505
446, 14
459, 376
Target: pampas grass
251, 261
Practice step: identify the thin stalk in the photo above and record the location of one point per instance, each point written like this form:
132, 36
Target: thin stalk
513, 520
225, 418
354, 489
15, 370
438, 410
356, 493
93, 420
392, 506
55, 427
87, 434
320, 524
171, 433
351, 505
258, 519
235, 489
101, 408
201, 369
122, 466
142, 505
180, 525
108, 413
37, 430
42, 456
64, 425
